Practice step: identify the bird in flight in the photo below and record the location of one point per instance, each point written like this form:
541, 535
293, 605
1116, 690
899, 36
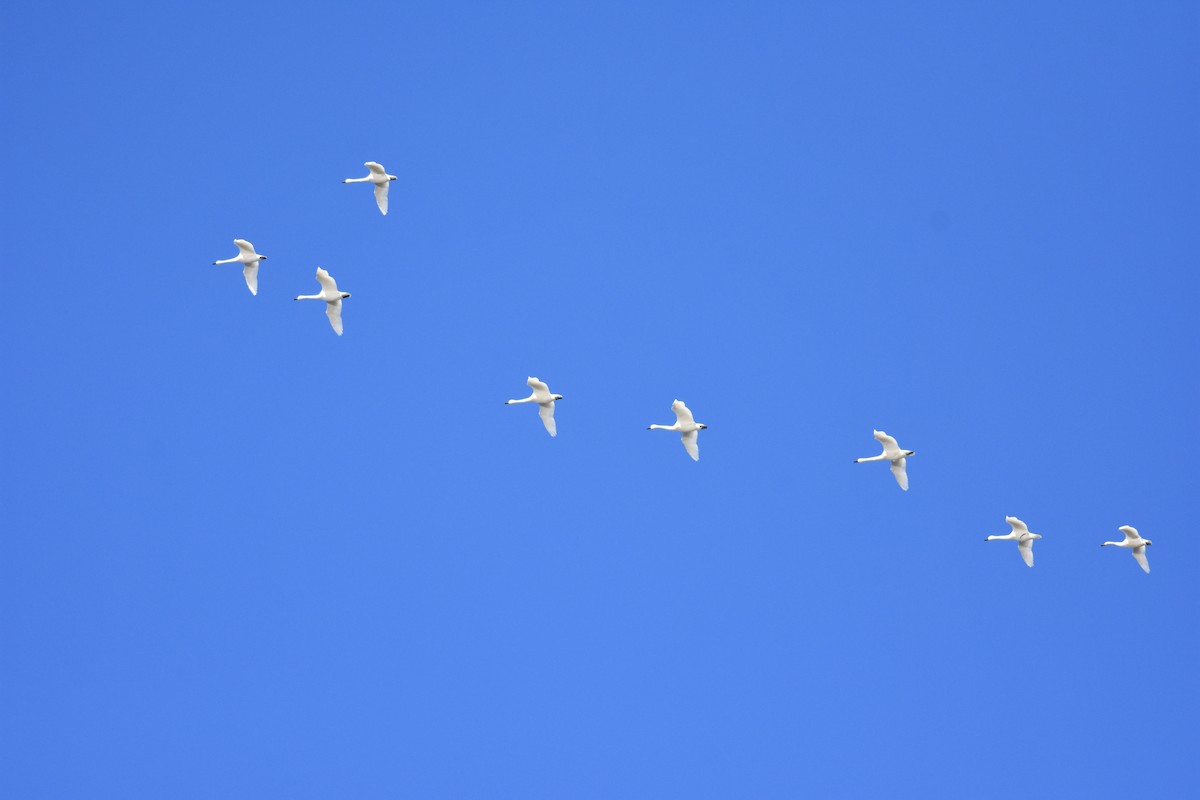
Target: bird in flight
541, 395
1133, 542
381, 179
332, 297
1024, 539
689, 429
893, 453
249, 260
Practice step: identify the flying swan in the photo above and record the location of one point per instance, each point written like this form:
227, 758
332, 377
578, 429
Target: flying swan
687, 426
892, 453
381, 179
1024, 539
541, 395
249, 259
332, 297
1133, 541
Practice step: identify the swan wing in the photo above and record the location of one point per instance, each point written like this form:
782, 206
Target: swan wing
334, 312
683, 414
691, 443
245, 249
541, 392
546, 412
890, 448
1131, 533
251, 272
1139, 553
901, 475
1017, 525
1026, 548
381, 196
376, 168
327, 282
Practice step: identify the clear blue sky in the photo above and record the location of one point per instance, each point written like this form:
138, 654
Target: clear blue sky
242, 557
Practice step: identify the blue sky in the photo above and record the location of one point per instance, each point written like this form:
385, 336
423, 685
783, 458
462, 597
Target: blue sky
246, 558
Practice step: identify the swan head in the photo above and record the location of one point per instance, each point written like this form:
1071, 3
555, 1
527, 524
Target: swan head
1148, 542
557, 396
910, 452
345, 295
702, 427
391, 177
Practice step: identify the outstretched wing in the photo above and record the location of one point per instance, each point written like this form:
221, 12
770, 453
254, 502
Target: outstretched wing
683, 414
245, 248
1026, 548
251, 272
1131, 533
376, 168
327, 282
901, 475
546, 412
381, 195
334, 312
1140, 554
691, 443
1017, 525
890, 448
541, 392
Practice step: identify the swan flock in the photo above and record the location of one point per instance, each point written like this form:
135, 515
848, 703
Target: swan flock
685, 422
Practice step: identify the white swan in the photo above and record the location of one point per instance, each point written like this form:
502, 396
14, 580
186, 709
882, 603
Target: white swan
249, 259
1024, 539
1133, 541
892, 453
381, 179
687, 426
332, 297
541, 395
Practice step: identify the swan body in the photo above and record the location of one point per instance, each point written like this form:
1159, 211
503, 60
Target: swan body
249, 260
1021, 535
893, 453
545, 400
332, 297
1133, 542
689, 429
378, 176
